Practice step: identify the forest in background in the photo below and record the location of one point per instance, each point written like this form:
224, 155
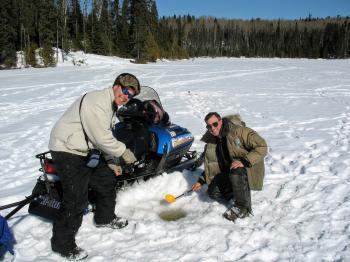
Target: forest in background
133, 29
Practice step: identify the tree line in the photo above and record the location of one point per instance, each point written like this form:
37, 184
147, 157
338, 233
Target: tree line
303, 38
133, 29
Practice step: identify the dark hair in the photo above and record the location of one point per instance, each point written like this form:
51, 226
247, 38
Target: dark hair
210, 114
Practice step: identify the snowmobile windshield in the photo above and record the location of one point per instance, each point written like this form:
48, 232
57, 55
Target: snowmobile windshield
148, 93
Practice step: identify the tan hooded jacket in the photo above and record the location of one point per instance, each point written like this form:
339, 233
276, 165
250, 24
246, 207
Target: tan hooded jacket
244, 144
98, 117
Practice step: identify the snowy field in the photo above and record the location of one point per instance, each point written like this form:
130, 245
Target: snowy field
301, 107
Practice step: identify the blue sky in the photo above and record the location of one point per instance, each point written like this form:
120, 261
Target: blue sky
247, 9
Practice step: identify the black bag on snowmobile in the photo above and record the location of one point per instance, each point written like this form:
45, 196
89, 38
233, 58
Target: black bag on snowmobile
48, 190
48, 203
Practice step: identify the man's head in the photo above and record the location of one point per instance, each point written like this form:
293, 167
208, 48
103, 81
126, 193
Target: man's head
213, 123
125, 87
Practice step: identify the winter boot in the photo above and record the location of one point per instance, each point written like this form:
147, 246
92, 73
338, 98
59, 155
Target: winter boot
116, 223
235, 212
75, 254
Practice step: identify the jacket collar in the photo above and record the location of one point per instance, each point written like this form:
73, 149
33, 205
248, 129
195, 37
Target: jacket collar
111, 94
225, 127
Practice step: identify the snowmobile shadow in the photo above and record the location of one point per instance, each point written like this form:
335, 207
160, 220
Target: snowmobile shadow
19, 219
191, 177
203, 196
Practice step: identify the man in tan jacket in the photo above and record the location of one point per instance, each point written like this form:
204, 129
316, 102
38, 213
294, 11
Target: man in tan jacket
233, 163
87, 124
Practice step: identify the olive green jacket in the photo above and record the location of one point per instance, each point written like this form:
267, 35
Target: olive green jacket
243, 144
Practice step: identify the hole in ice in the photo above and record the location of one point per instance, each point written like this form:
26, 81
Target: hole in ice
172, 214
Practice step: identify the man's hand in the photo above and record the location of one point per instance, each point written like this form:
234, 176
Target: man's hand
196, 186
236, 164
118, 171
128, 157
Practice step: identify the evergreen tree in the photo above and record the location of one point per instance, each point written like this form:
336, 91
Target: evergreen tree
75, 24
25, 23
331, 41
346, 49
63, 15
138, 28
151, 51
115, 24
124, 42
97, 45
7, 34
105, 28
30, 55
46, 18
48, 55
153, 17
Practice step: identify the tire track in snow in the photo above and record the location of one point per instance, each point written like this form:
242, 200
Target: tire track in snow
228, 76
44, 86
219, 72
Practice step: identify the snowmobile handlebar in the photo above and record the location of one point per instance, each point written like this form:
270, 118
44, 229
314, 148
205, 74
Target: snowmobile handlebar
129, 168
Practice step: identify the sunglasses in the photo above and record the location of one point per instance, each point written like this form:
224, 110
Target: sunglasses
210, 126
125, 91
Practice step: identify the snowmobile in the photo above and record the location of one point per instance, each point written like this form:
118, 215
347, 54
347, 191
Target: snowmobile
145, 128
159, 145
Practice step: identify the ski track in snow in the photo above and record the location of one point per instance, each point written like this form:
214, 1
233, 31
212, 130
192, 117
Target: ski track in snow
300, 106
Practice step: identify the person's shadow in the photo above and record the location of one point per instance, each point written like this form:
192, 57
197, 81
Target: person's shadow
191, 177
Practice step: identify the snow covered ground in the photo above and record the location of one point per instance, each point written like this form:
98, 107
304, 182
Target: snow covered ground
301, 107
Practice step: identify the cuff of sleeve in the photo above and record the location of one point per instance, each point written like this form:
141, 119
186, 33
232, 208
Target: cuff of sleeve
201, 179
246, 163
114, 167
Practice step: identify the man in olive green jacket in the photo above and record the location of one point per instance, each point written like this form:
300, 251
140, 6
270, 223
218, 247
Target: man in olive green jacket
233, 163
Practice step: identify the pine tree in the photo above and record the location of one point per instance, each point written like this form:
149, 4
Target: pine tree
151, 51
105, 28
138, 28
45, 24
97, 45
124, 42
30, 55
63, 14
153, 17
115, 24
86, 40
8, 34
75, 24
46, 20
48, 55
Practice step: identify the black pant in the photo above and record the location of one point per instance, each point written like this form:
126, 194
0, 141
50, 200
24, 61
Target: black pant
232, 184
75, 179
103, 186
